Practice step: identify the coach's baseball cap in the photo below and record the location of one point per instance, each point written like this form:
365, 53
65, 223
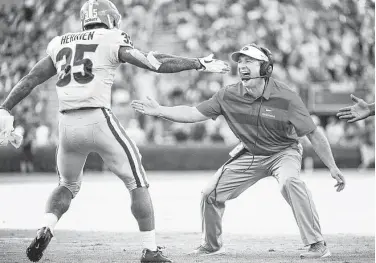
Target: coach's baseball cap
250, 51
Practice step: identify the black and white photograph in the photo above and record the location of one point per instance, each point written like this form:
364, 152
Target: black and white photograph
187, 131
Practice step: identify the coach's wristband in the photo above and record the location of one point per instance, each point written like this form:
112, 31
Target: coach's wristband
3, 108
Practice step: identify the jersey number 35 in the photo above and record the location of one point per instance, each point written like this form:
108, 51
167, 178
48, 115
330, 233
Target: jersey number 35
84, 76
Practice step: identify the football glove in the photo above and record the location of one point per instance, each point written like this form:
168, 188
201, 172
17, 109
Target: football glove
7, 133
213, 65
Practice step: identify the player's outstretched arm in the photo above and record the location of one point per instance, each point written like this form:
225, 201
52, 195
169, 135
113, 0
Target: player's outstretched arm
359, 111
41, 72
164, 63
322, 147
185, 114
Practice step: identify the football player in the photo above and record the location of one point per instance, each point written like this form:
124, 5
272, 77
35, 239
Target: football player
85, 63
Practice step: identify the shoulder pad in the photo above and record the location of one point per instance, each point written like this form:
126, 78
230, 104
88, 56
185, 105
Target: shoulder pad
52, 45
123, 38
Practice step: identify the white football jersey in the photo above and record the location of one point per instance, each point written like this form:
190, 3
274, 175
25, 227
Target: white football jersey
92, 57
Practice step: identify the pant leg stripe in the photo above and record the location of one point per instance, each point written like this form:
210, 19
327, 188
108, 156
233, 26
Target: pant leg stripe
134, 148
126, 150
57, 167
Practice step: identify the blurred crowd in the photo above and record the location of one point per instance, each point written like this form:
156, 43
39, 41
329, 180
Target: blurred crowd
312, 41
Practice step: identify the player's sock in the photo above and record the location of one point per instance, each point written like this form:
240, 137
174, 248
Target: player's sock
148, 240
50, 221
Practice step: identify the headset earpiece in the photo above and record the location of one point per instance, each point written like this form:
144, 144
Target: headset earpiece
266, 68
269, 70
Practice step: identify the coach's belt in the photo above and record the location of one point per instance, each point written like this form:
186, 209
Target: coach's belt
83, 108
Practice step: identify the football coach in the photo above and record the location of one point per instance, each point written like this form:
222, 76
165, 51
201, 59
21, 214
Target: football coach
268, 118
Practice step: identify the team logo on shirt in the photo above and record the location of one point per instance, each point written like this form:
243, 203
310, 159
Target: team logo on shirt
268, 113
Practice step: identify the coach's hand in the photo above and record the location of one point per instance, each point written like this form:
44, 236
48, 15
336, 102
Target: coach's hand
338, 176
149, 106
356, 112
213, 65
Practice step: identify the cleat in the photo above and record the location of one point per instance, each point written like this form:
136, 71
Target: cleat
154, 256
204, 251
35, 251
317, 250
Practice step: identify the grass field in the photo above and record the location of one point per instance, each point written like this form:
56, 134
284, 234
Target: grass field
258, 226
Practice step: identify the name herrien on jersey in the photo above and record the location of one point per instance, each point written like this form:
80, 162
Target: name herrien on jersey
77, 36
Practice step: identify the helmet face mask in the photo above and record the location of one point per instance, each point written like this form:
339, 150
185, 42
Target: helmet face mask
100, 12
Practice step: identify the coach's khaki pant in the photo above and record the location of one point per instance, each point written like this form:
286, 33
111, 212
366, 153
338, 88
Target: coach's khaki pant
235, 177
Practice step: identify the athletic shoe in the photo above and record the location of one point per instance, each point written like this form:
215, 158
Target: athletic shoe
35, 251
154, 256
317, 250
204, 251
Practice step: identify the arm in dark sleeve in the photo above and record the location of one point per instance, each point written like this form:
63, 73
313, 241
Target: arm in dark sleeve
164, 63
300, 117
153, 61
40, 73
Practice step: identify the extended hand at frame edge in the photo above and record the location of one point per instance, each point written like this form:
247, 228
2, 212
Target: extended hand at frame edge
7, 133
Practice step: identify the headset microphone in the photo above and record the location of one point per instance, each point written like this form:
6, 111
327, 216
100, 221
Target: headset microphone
259, 77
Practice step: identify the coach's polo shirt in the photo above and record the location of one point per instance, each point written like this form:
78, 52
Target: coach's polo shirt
265, 125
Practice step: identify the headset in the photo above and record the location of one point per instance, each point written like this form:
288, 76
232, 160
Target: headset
266, 69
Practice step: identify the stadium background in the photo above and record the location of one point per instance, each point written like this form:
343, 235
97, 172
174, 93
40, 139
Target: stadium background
322, 49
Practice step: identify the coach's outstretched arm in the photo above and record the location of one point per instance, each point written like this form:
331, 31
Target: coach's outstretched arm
185, 114
40, 73
322, 147
165, 63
